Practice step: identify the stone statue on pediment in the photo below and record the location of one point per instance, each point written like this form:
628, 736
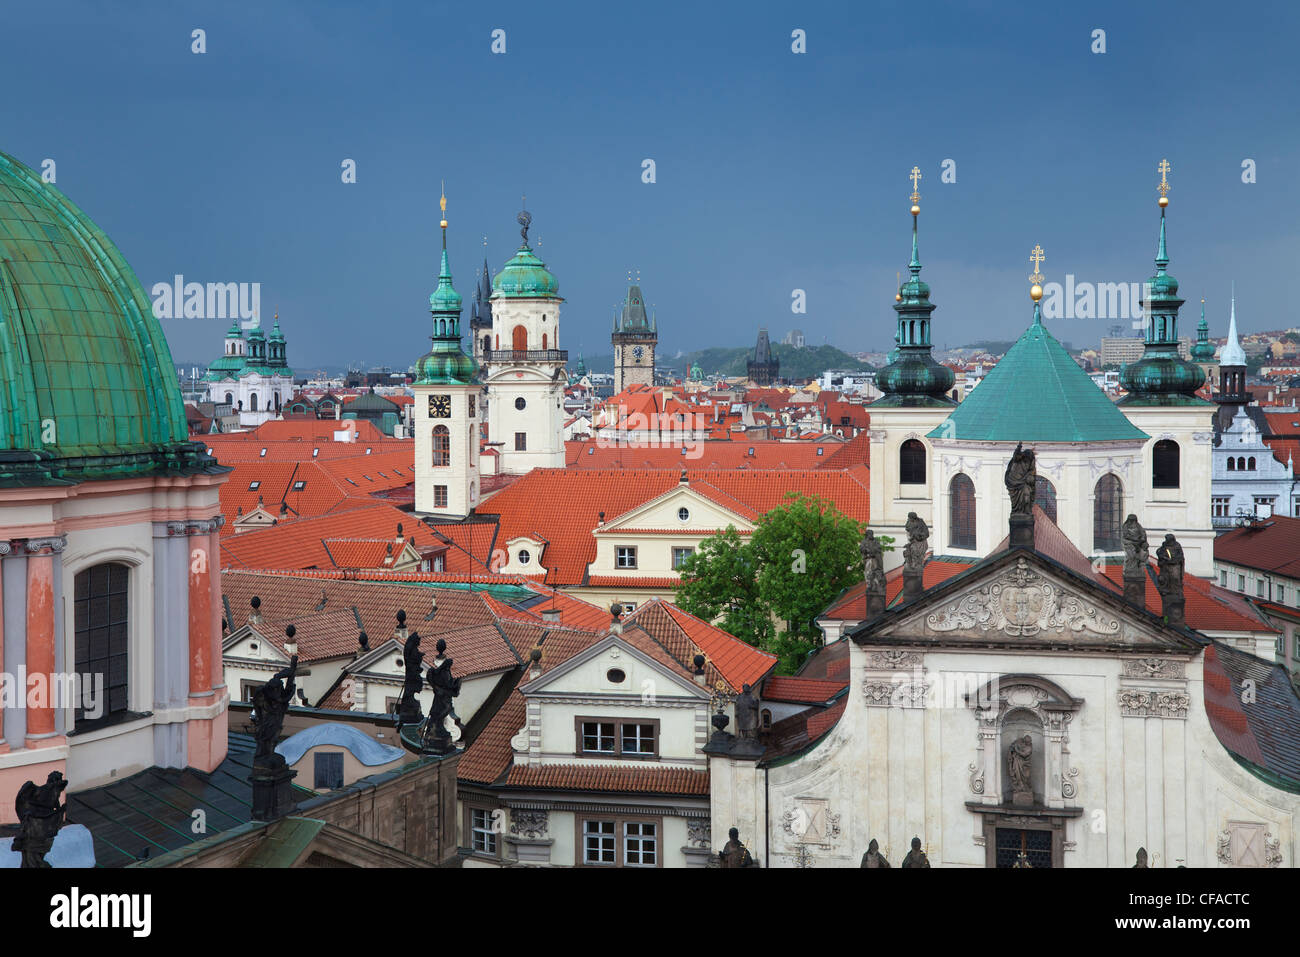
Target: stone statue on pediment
873, 572
1136, 550
915, 857
1021, 478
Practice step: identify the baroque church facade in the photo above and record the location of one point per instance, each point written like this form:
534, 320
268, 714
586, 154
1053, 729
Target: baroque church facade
252, 375
1098, 460
1011, 705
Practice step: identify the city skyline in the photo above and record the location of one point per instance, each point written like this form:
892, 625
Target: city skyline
790, 174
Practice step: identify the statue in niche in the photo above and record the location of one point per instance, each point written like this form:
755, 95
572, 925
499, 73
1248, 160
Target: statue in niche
915, 857
734, 853
918, 537
1021, 477
873, 857
1018, 768
1136, 549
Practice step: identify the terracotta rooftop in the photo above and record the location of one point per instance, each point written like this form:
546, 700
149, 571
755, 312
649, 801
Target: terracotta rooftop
607, 778
1271, 546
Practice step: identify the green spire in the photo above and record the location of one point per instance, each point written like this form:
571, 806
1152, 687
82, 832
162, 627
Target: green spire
912, 377
445, 363
1162, 376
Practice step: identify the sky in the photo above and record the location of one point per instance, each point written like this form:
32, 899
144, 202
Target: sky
774, 171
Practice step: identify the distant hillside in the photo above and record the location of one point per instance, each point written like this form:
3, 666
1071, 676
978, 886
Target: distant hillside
795, 363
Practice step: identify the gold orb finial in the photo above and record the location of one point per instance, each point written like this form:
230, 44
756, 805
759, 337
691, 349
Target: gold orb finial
1036, 257
1163, 169
442, 204
898, 284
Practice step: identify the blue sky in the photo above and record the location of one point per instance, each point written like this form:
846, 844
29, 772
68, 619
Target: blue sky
775, 171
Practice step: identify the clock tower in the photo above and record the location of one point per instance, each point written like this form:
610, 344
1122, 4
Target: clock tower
634, 339
446, 412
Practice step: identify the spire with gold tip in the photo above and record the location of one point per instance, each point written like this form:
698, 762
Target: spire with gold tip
1162, 376
445, 363
912, 377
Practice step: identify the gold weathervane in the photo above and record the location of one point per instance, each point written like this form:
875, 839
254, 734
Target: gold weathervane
915, 177
1163, 169
442, 203
1036, 257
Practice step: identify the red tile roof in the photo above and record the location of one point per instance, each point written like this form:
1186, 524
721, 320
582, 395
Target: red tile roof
609, 778
562, 506
801, 690
723, 454
300, 543
1272, 546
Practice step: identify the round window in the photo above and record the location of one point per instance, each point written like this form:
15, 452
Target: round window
520, 403
616, 676
684, 514
524, 557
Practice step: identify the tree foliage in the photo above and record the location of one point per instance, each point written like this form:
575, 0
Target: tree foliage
770, 589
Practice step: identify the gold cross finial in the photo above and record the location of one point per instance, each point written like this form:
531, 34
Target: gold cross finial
915, 177
1036, 257
443, 202
1163, 169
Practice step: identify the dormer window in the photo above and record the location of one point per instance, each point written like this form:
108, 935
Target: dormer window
299, 485
524, 556
254, 486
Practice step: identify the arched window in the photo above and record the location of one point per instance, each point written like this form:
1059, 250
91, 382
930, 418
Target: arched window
487, 343
1107, 514
101, 637
1241, 463
1232, 464
230, 399
961, 512
441, 446
543, 341
1250, 464
252, 402
1164, 464
519, 339
1045, 497
911, 462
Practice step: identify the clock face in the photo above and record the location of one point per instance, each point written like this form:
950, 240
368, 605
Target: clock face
637, 353
440, 407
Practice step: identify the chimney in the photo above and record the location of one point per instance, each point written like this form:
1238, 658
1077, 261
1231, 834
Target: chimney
601, 521
616, 610
400, 632
364, 641
534, 663
255, 618
551, 616
284, 510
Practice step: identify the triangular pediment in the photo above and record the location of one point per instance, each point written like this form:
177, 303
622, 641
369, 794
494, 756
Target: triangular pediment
584, 674
1020, 599
661, 512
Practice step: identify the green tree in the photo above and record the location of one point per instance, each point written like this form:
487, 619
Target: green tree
769, 590
719, 585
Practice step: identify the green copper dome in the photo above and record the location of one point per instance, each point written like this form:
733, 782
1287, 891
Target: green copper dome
1037, 393
1161, 376
89, 390
697, 374
445, 363
524, 276
912, 377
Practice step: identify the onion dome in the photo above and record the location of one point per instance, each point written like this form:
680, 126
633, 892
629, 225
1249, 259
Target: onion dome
696, 373
913, 377
445, 363
1162, 376
90, 391
524, 276
1203, 350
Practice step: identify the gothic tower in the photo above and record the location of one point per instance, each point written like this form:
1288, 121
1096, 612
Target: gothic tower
446, 415
634, 340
